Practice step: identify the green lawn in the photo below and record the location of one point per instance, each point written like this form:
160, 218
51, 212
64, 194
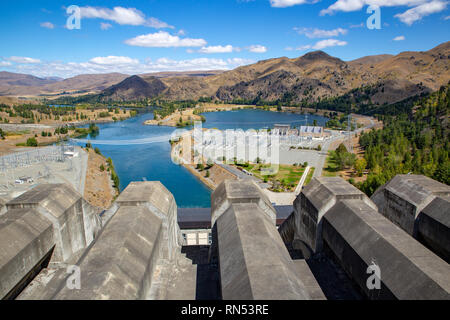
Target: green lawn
331, 168
289, 176
309, 177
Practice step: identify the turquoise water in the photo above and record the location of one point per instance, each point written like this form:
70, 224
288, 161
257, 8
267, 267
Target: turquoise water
152, 162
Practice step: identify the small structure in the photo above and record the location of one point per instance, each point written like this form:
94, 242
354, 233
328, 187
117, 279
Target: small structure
281, 129
311, 131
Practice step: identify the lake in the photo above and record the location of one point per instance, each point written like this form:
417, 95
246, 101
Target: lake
151, 161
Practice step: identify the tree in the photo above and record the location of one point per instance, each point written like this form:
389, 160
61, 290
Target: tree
207, 174
32, 142
360, 165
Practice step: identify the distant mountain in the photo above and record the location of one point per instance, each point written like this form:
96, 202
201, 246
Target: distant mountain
316, 76
18, 79
86, 82
14, 84
310, 79
134, 88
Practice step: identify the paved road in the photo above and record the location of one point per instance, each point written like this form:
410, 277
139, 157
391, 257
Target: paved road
242, 175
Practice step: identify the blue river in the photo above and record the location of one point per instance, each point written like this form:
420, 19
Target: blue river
151, 161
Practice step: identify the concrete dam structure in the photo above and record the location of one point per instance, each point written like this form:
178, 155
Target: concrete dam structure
336, 244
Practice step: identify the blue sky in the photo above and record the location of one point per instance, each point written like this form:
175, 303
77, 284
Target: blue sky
143, 36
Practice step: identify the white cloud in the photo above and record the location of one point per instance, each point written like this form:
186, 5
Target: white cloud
128, 65
399, 38
25, 60
417, 13
361, 25
5, 63
319, 33
47, 25
257, 49
105, 26
123, 16
217, 49
163, 39
286, 3
355, 5
447, 17
419, 8
113, 60
328, 43
323, 44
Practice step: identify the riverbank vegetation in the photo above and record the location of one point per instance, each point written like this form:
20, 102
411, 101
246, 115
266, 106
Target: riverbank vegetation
59, 114
413, 141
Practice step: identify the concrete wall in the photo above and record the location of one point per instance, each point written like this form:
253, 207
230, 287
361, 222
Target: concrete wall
49, 221
238, 191
420, 206
25, 239
154, 196
333, 217
75, 223
358, 236
122, 262
253, 260
314, 201
433, 227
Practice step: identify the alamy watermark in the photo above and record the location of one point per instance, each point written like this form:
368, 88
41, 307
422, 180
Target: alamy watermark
74, 20
200, 145
374, 280
73, 282
374, 21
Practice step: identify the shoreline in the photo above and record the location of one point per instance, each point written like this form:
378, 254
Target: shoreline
197, 174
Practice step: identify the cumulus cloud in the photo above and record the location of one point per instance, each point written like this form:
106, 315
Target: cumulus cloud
399, 38
217, 49
127, 65
323, 44
286, 3
319, 33
417, 13
257, 48
123, 16
47, 25
24, 60
419, 8
163, 39
114, 60
5, 63
105, 26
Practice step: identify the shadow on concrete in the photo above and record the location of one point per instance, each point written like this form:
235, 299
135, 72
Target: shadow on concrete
208, 279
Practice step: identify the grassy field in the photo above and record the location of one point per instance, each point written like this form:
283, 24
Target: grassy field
309, 177
330, 169
286, 179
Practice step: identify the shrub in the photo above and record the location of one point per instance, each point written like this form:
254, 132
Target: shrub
32, 142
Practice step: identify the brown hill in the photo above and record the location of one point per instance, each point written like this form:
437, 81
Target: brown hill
317, 75
312, 77
134, 88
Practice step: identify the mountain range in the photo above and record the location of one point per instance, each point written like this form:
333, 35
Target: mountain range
312, 77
